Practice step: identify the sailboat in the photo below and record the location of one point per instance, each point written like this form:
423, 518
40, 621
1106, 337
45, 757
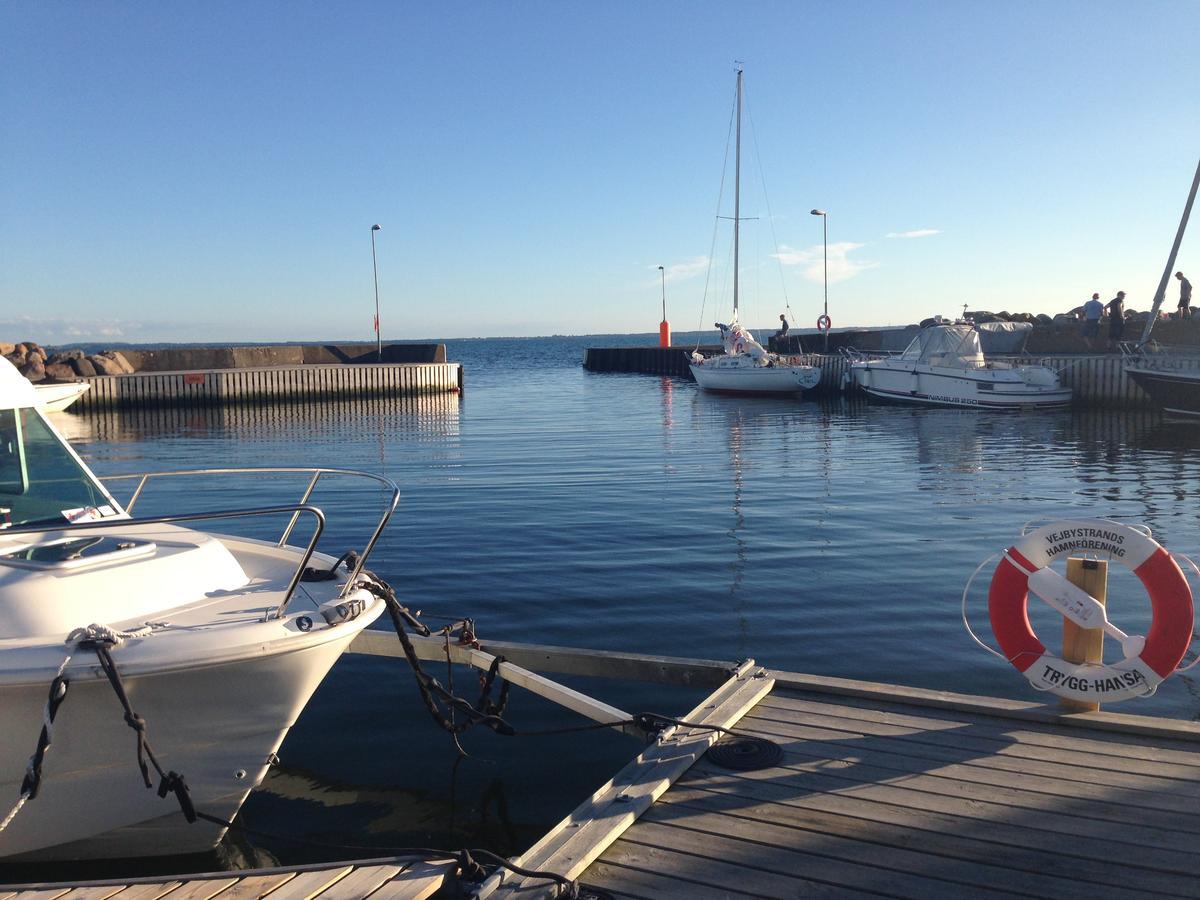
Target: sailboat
1170, 376
746, 367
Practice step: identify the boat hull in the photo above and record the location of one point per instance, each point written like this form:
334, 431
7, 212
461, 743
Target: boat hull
216, 725
969, 389
781, 379
57, 397
1176, 392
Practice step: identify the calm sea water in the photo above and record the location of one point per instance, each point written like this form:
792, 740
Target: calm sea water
635, 513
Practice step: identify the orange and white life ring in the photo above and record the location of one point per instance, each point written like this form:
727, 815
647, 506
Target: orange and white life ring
824, 323
1025, 567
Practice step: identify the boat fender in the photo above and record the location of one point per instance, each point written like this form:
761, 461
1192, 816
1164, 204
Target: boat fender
1147, 661
824, 323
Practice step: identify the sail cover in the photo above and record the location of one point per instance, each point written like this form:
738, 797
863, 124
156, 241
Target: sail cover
737, 339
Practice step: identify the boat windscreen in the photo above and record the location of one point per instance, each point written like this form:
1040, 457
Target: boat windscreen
41, 480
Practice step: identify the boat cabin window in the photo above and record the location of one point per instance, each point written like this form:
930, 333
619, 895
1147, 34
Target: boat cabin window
41, 480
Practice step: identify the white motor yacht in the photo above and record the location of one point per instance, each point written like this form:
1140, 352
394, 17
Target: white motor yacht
216, 642
57, 397
945, 366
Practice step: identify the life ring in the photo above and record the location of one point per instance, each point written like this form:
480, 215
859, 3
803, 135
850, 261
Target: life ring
1025, 567
824, 323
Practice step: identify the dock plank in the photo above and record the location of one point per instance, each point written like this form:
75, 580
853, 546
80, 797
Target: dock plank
361, 882
1178, 791
904, 848
310, 884
1179, 748
914, 814
201, 888
147, 891
984, 783
980, 735
254, 887
417, 882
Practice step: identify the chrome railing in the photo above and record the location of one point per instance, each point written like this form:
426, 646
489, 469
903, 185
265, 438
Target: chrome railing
296, 509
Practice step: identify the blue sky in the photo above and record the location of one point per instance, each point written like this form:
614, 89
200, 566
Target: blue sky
210, 171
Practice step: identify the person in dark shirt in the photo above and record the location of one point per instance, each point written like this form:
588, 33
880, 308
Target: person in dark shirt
1185, 296
783, 326
1116, 319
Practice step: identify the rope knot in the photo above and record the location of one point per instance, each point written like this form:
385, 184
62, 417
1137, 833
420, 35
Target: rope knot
471, 870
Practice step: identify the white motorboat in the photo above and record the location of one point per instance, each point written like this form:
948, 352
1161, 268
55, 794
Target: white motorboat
945, 366
57, 397
217, 642
746, 367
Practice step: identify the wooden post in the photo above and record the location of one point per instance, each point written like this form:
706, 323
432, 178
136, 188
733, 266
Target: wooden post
1084, 645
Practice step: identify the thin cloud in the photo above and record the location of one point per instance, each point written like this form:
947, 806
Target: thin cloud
54, 331
918, 233
811, 260
684, 270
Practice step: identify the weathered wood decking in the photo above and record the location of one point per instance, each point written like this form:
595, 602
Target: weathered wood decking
881, 791
380, 879
923, 795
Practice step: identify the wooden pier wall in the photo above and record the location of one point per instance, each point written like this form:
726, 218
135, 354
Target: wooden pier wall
1098, 380
267, 384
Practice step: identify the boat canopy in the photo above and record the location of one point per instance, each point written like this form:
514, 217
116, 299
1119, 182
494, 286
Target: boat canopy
1004, 337
947, 345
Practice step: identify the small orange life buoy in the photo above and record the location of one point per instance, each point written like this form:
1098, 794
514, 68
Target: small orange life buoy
824, 323
1025, 567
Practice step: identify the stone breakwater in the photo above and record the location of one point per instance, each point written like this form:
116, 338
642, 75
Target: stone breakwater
33, 361
38, 365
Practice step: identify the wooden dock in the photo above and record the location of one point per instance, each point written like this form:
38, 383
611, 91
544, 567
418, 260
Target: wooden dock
381, 879
267, 384
878, 790
901, 793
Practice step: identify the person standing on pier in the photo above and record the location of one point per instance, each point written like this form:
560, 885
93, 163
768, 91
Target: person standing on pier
1092, 311
783, 327
1185, 297
1116, 319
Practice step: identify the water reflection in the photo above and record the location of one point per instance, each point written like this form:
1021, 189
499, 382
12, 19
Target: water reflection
407, 416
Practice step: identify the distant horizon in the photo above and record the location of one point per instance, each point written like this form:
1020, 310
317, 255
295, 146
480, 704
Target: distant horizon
651, 337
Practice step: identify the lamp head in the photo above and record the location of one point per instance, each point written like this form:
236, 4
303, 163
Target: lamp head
375, 228
661, 269
817, 212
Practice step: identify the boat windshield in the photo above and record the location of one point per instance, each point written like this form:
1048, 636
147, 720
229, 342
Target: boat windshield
41, 480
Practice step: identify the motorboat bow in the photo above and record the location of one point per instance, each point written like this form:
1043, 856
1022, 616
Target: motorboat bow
57, 397
945, 366
217, 642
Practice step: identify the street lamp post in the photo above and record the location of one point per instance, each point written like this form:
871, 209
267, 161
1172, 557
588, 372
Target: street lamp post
375, 269
825, 257
664, 327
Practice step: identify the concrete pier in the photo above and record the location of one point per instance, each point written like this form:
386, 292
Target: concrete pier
1098, 379
268, 384
225, 376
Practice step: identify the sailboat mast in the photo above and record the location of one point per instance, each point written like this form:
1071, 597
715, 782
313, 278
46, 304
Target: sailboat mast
737, 192
1160, 294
